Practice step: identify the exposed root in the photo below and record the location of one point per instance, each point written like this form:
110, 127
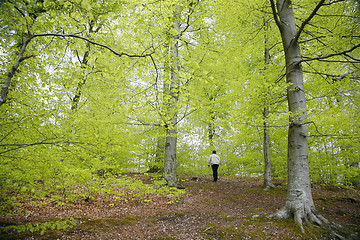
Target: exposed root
302, 215
268, 186
307, 216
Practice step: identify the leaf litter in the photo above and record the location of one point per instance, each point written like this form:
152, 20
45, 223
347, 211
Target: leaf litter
232, 208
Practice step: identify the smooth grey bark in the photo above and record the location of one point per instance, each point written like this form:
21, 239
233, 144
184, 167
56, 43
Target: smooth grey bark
266, 149
172, 90
299, 202
170, 163
266, 146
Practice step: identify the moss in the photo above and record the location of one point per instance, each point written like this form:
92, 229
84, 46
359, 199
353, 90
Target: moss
258, 222
209, 229
106, 224
228, 218
48, 229
213, 231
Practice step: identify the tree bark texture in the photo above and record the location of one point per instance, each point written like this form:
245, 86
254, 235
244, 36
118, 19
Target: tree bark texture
299, 203
266, 149
170, 164
173, 92
266, 146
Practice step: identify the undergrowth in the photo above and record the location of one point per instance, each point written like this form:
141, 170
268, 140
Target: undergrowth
40, 227
99, 190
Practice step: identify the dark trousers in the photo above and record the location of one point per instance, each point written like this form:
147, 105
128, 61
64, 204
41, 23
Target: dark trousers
215, 173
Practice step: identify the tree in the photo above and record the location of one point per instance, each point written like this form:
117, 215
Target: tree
172, 95
266, 146
299, 202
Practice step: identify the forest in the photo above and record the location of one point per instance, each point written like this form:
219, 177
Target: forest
95, 90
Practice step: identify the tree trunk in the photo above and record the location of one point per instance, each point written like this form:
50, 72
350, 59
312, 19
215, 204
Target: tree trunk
266, 147
81, 83
173, 92
11, 73
299, 203
170, 170
211, 135
158, 164
211, 127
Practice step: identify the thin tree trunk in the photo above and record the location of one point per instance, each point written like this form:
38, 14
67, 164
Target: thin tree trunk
299, 202
83, 64
266, 147
81, 83
20, 58
211, 128
211, 135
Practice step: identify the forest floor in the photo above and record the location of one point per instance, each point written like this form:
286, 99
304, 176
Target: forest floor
232, 208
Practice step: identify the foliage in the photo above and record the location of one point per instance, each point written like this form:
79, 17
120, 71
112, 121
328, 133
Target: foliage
78, 116
41, 227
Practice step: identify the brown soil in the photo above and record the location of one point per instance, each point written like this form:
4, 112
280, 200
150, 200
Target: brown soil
232, 208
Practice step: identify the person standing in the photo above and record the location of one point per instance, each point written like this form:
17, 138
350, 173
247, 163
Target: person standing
214, 161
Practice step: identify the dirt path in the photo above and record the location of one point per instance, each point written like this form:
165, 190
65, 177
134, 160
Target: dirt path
233, 208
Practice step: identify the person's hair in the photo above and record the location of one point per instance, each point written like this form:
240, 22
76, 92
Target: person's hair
214, 151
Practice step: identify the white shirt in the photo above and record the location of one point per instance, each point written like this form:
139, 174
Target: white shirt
213, 159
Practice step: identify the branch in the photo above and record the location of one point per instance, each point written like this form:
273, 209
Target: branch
336, 1
24, 16
316, 128
185, 115
5, 88
156, 69
92, 42
296, 38
7, 135
191, 11
19, 146
307, 59
333, 76
26, 57
312, 39
141, 123
351, 57
273, 8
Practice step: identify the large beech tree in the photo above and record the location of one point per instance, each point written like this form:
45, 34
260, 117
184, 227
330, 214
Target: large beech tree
172, 93
299, 202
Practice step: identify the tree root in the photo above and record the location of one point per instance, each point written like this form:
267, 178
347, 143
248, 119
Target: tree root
303, 216
269, 186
